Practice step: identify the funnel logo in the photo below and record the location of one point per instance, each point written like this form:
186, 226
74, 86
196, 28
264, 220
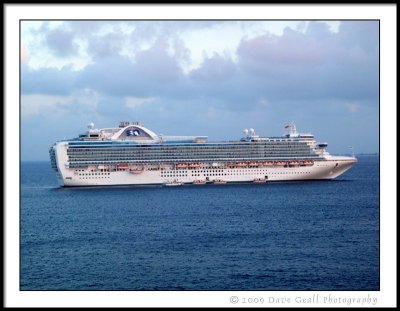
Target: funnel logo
132, 132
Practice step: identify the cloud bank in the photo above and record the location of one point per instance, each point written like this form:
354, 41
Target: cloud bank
308, 74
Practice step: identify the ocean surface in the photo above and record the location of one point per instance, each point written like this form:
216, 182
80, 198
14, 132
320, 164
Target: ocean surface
315, 235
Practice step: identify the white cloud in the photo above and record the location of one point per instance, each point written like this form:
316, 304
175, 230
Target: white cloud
24, 55
35, 104
352, 107
78, 102
133, 102
264, 102
73, 43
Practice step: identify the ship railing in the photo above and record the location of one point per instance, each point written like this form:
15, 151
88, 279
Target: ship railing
141, 161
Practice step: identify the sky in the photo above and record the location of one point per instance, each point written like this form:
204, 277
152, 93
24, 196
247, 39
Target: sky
212, 78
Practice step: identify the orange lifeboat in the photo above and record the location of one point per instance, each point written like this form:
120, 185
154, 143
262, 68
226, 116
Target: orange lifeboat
181, 165
122, 166
268, 163
241, 164
253, 164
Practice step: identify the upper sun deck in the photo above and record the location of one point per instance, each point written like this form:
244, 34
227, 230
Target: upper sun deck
129, 135
292, 135
135, 133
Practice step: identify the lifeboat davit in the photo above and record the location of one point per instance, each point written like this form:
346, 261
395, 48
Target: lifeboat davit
199, 182
136, 171
219, 181
259, 180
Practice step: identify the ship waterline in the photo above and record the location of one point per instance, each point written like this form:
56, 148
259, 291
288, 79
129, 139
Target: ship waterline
133, 155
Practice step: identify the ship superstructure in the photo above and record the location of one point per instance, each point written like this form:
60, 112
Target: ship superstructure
134, 155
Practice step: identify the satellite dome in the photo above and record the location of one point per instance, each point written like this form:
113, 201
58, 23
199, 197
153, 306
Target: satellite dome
91, 126
246, 132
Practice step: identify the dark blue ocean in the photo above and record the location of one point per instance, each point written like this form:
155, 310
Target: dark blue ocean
317, 235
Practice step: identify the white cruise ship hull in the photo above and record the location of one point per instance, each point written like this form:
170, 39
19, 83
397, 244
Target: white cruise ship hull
325, 170
92, 176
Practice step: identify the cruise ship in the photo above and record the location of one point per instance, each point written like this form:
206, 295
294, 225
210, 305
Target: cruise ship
131, 154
